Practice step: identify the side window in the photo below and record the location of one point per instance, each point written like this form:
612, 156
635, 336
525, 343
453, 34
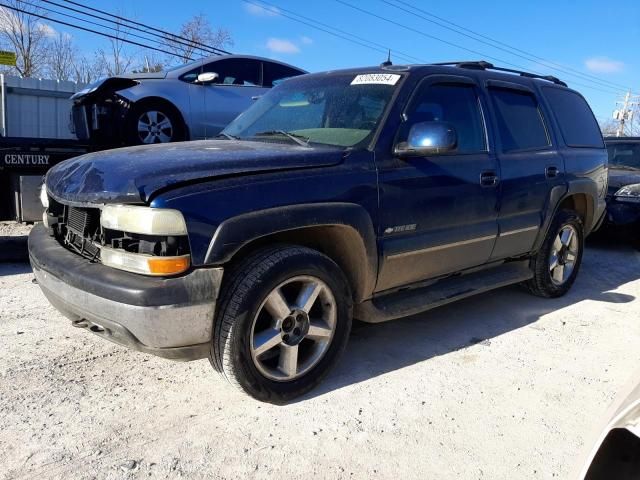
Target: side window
231, 71
520, 123
457, 104
275, 74
575, 119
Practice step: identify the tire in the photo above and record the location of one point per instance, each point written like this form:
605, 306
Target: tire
162, 120
249, 311
549, 281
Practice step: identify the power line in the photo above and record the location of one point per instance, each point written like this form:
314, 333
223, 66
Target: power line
296, 17
444, 23
78, 27
163, 39
452, 44
164, 32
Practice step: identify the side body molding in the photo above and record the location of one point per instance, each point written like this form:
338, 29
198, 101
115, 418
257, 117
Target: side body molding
348, 224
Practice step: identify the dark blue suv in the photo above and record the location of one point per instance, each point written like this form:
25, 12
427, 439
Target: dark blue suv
372, 193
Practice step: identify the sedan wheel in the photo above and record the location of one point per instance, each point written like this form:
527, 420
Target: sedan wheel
154, 127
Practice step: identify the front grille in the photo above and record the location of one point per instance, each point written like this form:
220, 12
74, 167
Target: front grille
82, 231
82, 221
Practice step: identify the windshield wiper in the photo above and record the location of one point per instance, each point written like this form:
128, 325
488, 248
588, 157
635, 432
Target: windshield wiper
622, 167
299, 139
227, 136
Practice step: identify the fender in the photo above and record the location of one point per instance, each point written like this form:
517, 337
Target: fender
237, 232
559, 194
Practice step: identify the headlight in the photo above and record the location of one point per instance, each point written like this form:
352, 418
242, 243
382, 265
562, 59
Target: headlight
44, 198
143, 220
629, 193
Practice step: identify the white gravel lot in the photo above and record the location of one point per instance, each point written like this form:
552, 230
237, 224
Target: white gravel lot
503, 385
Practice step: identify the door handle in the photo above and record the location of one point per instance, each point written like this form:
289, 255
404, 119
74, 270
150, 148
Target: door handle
551, 172
489, 178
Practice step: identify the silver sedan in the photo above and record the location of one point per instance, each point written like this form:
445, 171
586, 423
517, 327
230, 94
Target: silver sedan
190, 102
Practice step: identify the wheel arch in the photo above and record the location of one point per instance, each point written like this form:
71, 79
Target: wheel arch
344, 232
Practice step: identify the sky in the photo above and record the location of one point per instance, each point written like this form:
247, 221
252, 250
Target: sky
593, 46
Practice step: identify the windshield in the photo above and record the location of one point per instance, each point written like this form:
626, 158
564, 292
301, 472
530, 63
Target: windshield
340, 110
624, 155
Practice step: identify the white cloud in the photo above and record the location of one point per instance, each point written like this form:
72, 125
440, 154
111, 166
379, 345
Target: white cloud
306, 40
604, 65
260, 11
47, 29
280, 45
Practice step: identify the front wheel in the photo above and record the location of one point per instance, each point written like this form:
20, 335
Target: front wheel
151, 123
556, 264
284, 319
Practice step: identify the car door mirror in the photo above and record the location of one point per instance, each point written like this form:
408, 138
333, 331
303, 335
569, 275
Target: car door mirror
428, 138
207, 78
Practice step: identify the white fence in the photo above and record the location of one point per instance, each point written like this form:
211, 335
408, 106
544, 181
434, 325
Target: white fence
31, 107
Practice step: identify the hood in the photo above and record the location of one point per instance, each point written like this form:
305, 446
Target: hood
134, 174
619, 177
115, 83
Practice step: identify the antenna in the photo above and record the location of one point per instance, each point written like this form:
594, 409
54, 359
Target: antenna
388, 62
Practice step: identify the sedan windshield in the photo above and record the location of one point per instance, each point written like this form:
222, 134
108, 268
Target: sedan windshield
340, 109
624, 155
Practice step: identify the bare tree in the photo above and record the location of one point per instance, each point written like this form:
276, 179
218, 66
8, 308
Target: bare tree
195, 33
26, 35
62, 57
117, 59
86, 70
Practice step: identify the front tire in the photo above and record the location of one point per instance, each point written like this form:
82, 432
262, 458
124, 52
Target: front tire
284, 320
557, 263
154, 122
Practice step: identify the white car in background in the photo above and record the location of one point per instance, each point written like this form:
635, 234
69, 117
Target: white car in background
190, 102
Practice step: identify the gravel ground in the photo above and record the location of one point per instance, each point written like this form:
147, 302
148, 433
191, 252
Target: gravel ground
503, 385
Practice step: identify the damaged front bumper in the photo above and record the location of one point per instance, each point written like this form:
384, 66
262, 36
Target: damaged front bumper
168, 317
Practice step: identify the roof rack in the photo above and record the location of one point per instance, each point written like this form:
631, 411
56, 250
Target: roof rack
483, 65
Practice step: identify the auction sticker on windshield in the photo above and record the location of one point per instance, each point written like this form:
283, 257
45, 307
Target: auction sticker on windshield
376, 79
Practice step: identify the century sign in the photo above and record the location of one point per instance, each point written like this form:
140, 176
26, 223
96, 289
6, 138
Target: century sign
7, 58
26, 159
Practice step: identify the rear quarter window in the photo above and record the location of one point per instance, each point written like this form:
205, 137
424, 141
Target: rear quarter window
575, 119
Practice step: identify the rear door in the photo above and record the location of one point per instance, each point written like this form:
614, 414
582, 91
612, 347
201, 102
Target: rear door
530, 165
438, 212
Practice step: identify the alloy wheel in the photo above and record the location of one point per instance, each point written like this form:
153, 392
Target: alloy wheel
564, 254
293, 328
154, 127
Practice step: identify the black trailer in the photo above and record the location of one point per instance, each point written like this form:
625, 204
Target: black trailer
23, 164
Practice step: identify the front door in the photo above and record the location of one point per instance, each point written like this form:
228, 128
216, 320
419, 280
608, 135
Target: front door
439, 213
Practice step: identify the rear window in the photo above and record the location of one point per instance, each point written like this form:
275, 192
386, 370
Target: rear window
520, 123
274, 74
575, 119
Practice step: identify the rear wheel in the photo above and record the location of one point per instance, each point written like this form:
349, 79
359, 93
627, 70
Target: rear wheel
284, 319
557, 263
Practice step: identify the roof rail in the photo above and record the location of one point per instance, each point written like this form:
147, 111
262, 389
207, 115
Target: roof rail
483, 65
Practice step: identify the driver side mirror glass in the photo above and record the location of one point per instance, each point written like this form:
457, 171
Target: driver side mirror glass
428, 138
207, 78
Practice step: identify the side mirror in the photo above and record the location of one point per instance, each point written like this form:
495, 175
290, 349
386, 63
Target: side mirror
207, 78
428, 138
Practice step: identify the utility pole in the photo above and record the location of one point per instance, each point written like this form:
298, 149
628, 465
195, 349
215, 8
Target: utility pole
625, 114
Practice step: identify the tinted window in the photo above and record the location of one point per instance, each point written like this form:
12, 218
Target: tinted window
520, 123
455, 104
231, 71
575, 119
275, 73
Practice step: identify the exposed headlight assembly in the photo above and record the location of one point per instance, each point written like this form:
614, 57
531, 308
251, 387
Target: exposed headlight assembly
143, 220
629, 193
